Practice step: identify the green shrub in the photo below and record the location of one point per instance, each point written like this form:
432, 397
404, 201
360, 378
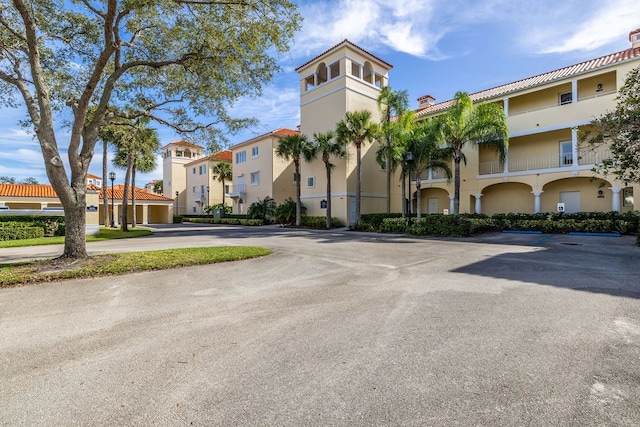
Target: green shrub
228, 221
286, 212
320, 222
177, 219
21, 232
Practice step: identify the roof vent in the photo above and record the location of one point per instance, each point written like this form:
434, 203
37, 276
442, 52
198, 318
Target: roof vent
425, 101
634, 38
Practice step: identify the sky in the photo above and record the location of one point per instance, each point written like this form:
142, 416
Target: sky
436, 47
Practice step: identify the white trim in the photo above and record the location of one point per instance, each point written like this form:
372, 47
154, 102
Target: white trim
349, 194
344, 87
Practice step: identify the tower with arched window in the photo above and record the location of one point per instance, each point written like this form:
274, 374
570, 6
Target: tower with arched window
343, 78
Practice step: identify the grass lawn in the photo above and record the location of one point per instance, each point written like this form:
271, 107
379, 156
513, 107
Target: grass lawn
122, 263
105, 234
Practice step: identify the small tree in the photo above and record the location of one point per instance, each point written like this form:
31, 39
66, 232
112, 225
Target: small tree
286, 211
328, 147
223, 172
465, 123
296, 147
262, 209
620, 131
7, 180
357, 129
158, 186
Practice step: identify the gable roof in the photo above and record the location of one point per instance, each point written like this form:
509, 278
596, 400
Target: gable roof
184, 144
220, 156
278, 132
540, 79
348, 43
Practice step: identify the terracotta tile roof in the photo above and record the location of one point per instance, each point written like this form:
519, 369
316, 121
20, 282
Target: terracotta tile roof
184, 144
529, 82
345, 41
224, 156
44, 191
28, 190
277, 132
141, 194
91, 176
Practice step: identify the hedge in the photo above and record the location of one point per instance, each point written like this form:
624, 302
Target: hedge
229, 221
52, 225
21, 232
320, 222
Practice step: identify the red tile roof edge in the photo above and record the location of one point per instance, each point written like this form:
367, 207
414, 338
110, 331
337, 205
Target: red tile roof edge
345, 41
548, 77
46, 191
184, 143
276, 132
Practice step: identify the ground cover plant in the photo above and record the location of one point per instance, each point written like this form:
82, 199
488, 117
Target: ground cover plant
122, 263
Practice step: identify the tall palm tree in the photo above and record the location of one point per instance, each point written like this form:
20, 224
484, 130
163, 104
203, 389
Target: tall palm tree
134, 141
357, 129
328, 146
391, 105
465, 123
296, 147
428, 153
394, 154
222, 172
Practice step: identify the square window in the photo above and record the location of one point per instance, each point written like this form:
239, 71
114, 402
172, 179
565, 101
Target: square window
254, 152
241, 157
566, 98
311, 181
255, 178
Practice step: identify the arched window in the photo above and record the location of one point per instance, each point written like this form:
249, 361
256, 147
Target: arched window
321, 72
367, 73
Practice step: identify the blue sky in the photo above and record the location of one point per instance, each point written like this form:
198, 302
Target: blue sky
437, 47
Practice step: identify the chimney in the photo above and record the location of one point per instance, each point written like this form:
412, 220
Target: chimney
634, 38
425, 101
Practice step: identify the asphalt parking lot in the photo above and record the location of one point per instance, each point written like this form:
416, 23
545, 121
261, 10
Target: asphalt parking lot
333, 329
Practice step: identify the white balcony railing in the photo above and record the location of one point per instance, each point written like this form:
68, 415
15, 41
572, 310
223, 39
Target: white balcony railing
551, 161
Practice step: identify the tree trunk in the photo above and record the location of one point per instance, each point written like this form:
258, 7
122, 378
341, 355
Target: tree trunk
418, 183
388, 167
125, 197
298, 200
358, 182
404, 193
133, 197
328, 196
75, 219
105, 199
456, 184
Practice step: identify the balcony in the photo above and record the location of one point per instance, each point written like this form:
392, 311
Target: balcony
550, 161
236, 191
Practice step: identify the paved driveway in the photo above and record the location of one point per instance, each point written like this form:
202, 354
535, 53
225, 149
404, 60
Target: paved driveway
333, 329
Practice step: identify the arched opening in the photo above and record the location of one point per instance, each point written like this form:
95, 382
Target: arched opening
321, 73
367, 72
433, 201
506, 197
580, 194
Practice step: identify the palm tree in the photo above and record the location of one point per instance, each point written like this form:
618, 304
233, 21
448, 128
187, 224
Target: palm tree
262, 208
134, 142
295, 147
391, 104
222, 171
428, 153
328, 146
357, 129
465, 123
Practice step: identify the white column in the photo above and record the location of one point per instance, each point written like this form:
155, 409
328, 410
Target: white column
536, 203
145, 214
506, 106
615, 198
506, 161
478, 203
574, 91
452, 204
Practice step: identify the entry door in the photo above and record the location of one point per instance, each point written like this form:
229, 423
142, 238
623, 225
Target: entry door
566, 154
571, 200
432, 205
352, 210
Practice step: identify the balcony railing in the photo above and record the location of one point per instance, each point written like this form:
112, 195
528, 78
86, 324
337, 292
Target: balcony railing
551, 161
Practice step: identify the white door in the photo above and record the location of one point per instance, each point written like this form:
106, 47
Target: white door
571, 200
432, 205
352, 209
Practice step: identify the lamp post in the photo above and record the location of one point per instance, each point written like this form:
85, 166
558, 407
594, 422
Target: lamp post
409, 159
112, 177
177, 194
208, 204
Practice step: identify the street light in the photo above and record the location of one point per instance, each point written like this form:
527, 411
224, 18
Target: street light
409, 159
208, 204
112, 177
